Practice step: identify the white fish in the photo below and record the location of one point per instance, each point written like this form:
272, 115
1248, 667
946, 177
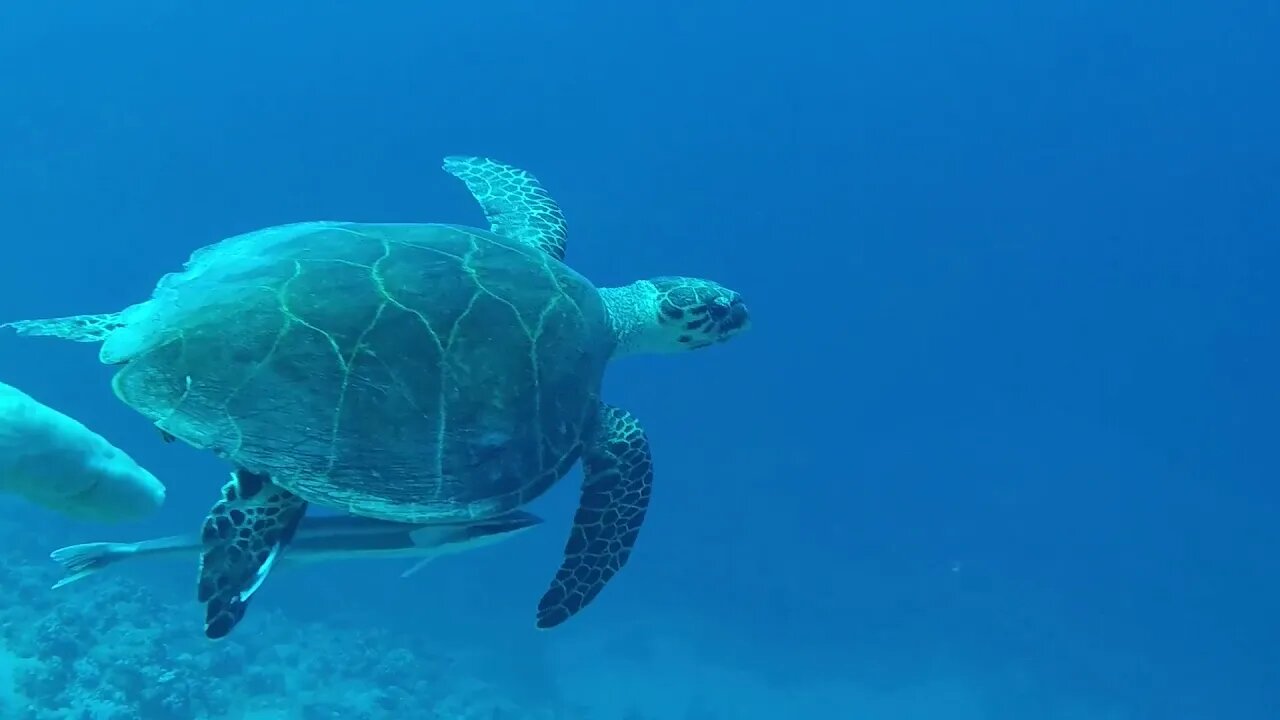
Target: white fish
55, 461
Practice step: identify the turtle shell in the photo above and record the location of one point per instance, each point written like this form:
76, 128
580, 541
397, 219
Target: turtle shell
401, 371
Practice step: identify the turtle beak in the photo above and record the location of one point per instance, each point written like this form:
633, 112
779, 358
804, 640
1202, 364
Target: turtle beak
731, 316
739, 318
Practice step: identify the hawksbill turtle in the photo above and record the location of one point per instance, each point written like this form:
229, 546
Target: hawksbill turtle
402, 371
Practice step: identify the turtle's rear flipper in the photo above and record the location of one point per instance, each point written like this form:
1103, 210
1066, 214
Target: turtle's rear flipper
243, 537
78, 328
618, 476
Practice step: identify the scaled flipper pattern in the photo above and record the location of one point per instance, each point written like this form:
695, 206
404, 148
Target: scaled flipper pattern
513, 201
243, 537
77, 328
618, 478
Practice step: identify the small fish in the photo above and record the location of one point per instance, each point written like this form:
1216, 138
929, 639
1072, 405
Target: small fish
319, 539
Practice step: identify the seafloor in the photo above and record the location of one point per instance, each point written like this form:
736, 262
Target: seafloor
111, 648
113, 651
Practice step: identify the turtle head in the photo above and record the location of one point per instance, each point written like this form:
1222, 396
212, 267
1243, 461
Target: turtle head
673, 314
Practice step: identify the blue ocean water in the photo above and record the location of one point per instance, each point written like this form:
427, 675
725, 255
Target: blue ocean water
1000, 443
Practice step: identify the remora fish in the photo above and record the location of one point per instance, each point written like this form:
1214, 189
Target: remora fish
318, 539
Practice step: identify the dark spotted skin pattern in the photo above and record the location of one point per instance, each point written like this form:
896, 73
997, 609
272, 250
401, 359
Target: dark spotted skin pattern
704, 312
618, 478
254, 519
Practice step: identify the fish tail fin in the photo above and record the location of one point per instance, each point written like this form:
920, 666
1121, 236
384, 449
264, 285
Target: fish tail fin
80, 561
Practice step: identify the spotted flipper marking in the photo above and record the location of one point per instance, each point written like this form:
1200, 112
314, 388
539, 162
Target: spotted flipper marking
514, 202
77, 328
618, 478
243, 537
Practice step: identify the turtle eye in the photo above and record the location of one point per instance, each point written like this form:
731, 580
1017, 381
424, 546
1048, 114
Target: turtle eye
718, 308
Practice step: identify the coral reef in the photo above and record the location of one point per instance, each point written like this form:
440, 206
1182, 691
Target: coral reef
115, 652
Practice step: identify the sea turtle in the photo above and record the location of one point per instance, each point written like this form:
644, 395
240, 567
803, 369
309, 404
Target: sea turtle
410, 372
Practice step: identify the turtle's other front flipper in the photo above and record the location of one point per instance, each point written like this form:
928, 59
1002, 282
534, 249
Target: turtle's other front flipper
242, 539
77, 328
618, 477
514, 202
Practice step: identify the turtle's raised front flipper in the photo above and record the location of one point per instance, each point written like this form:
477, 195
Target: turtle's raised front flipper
77, 328
242, 538
618, 477
513, 201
